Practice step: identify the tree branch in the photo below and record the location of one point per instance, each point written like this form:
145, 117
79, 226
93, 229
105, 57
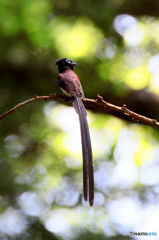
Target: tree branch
96, 105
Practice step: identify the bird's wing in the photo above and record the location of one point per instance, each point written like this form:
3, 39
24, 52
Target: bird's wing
70, 83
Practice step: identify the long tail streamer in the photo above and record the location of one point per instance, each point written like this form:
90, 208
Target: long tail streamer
88, 175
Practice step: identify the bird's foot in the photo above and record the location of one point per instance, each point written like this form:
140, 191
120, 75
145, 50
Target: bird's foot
67, 99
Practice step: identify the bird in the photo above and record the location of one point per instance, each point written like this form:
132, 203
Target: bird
69, 83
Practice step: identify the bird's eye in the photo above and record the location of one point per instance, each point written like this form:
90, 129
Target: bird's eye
68, 60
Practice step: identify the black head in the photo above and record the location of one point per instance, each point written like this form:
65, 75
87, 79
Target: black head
65, 64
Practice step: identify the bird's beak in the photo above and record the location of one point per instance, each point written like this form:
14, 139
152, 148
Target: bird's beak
74, 64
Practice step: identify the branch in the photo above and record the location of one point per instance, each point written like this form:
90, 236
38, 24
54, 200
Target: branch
112, 109
96, 105
36, 98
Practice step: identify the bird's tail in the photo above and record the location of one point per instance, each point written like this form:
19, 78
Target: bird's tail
88, 176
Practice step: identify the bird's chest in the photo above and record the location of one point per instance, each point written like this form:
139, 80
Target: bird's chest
69, 83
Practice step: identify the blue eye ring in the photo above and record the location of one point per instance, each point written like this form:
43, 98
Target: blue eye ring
68, 60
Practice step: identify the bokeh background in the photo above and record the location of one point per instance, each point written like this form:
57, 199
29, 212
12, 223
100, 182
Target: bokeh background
116, 43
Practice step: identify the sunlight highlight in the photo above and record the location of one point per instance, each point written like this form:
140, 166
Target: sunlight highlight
76, 40
138, 77
153, 66
12, 222
124, 22
134, 36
